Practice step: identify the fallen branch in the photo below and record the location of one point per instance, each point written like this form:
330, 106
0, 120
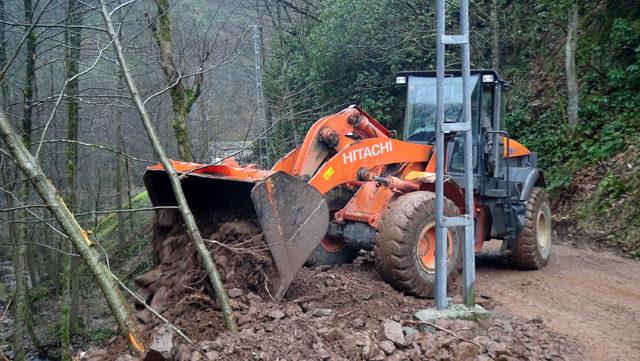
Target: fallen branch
444, 330
190, 223
309, 298
6, 309
78, 236
237, 248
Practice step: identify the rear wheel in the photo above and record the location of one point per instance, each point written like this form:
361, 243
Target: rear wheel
333, 250
532, 248
405, 244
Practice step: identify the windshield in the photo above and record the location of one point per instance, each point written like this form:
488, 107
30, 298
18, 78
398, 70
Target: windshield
420, 118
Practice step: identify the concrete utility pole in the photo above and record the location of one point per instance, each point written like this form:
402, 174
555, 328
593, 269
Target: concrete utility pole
261, 116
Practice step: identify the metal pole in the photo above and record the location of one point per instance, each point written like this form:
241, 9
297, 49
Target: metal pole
261, 113
469, 267
441, 243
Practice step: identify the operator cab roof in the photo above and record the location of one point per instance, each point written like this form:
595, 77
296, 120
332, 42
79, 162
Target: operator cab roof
455, 73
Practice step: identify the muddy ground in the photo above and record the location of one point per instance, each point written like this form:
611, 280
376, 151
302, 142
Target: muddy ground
592, 297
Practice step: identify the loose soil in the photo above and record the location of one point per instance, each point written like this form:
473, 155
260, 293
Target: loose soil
344, 312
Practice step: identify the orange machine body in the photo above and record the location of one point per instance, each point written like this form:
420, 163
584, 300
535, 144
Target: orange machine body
351, 149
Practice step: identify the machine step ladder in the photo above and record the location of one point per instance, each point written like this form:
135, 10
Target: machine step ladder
466, 220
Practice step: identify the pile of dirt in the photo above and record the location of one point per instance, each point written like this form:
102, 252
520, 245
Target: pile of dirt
339, 313
178, 284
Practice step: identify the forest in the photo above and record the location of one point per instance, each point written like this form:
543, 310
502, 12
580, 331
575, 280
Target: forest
93, 92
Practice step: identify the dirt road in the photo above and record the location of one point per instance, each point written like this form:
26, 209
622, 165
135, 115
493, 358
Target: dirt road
593, 297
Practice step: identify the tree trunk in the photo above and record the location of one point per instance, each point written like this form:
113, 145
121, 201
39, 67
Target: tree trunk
570, 66
20, 291
30, 259
495, 35
120, 164
122, 239
185, 211
20, 241
70, 294
3, 50
182, 97
78, 236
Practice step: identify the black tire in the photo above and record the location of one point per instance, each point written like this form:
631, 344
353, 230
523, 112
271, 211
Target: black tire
336, 200
532, 247
396, 247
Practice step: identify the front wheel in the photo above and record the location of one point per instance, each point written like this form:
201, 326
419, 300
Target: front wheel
333, 250
532, 247
405, 244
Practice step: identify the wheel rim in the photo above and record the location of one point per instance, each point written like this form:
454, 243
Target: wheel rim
426, 250
330, 243
543, 230
333, 244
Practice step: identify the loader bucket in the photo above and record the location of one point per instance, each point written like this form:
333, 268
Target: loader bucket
293, 215
294, 218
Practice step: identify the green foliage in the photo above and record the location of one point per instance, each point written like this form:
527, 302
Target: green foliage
347, 59
4, 292
609, 71
39, 293
607, 193
100, 335
105, 231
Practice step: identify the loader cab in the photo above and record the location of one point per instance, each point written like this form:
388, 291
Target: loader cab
486, 114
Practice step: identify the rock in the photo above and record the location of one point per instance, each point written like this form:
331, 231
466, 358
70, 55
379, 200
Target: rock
398, 356
212, 355
221, 260
322, 268
487, 304
184, 353
482, 358
387, 346
361, 339
371, 352
447, 341
509, 358
252, 297
126, 357
358, 323
466, 351
497, 349
292, 309
409, 331
321, 312
230, 277
320, 351
392, 331
234, 304
334, 334
234, 292
162, 347
276, 314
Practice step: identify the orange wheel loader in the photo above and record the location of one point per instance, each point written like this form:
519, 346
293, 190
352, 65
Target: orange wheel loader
352, 185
